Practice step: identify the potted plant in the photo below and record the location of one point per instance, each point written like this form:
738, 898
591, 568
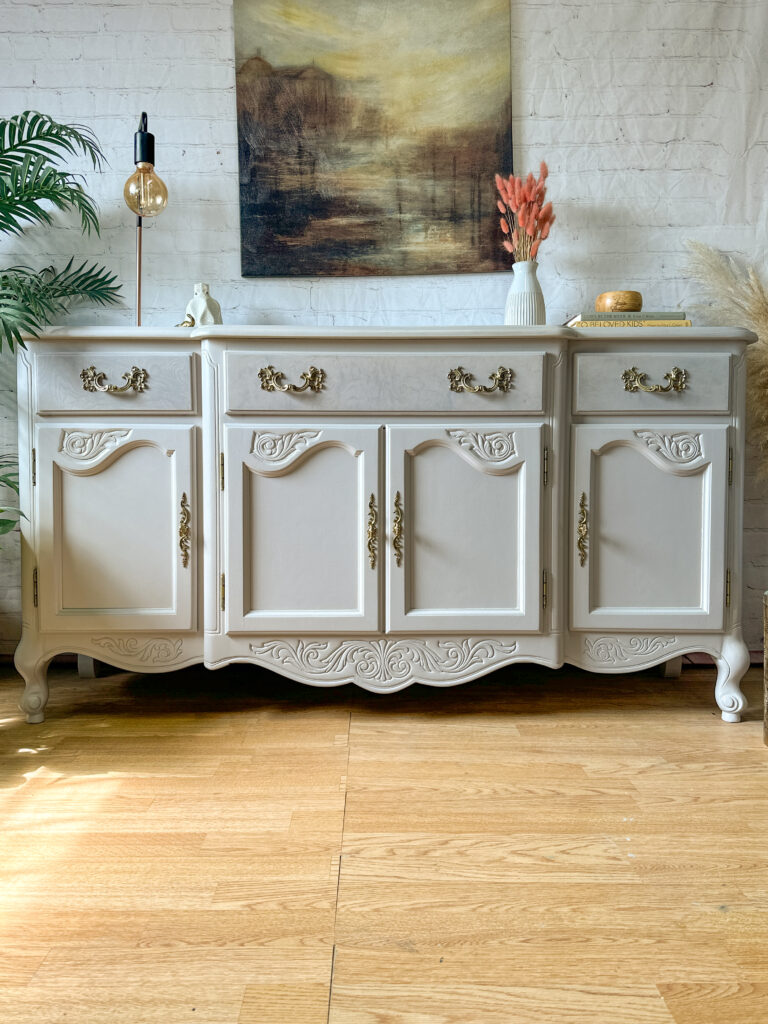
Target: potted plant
31, 182
32, 146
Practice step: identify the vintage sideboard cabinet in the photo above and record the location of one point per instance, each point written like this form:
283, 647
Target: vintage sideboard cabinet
380, 506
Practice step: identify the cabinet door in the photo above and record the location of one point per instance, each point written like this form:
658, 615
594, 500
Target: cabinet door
299, 509
116, 522
468, 503
648, 513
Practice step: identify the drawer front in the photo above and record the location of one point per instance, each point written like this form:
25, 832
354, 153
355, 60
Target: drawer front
384, 383
600, 385
167, 386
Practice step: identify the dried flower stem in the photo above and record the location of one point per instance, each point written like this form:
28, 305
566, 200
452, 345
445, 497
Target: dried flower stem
525, 218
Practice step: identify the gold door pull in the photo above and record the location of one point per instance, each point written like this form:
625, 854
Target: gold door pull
273, 380
397, 530
184, 530
94, 380
634, 380
582, 530
460, 380
372, 531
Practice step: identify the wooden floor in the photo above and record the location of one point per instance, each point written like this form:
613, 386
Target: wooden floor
232, 848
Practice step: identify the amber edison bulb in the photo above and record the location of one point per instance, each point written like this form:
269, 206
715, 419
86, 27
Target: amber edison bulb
145, 192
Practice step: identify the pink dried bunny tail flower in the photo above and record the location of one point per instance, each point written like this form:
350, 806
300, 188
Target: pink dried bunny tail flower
545, 229
501, 207
546, 213
508, 246
499, 183
504, 225
522, 215
535, 248
543, 172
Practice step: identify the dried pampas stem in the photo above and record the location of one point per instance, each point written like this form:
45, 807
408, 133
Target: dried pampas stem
738, 298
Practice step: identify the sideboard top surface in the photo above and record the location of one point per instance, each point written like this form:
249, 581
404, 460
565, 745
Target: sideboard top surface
423, 335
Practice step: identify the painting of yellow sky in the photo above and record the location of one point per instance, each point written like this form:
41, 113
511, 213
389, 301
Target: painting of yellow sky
369, 134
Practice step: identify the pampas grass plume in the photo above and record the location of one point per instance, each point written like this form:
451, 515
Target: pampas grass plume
738, 298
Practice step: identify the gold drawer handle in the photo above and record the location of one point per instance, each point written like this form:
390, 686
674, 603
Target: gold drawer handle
582, 530
460, 381
635, 381
93, 380
273, 380
397, 530
184, 530
372, 533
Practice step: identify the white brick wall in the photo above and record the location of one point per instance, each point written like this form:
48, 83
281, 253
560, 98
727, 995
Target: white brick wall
650, 113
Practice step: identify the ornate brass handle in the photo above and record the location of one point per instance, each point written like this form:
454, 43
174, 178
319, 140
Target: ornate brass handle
460, 381
635, 381
582, 530
273, 380
372, 535
184, 530
397, 530
93, 380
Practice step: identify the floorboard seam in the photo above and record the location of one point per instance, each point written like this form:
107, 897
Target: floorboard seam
338, 875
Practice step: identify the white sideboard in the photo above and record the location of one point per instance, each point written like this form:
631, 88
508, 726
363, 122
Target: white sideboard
382, 507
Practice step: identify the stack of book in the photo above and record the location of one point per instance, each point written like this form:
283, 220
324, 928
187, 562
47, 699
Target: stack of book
643, 319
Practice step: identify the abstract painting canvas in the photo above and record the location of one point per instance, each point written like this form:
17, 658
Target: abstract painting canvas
369, 133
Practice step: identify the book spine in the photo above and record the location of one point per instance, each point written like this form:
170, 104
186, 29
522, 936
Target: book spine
628, 316
632, 323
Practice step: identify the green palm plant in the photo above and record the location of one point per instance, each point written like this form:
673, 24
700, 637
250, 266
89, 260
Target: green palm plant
32, 145
9, 477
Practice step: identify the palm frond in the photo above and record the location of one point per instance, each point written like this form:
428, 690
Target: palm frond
34, 180
29, 186
30, 298
32, 133
10, 478
93, 283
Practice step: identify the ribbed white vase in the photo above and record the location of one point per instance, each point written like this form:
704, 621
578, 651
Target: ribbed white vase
525, 299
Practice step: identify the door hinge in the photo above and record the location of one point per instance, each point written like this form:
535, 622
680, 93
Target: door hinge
544, 588
34, 467
545, 470
34, 586
221, 471
730, 466
728, 589
223, 593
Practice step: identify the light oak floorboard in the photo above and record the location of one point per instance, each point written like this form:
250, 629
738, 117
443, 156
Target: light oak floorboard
234, 848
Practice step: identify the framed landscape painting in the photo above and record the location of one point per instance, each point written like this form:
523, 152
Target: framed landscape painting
369, 134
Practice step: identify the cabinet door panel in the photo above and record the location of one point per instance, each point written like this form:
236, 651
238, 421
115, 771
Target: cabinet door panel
298, 509
654, 504
112, 548
471, 512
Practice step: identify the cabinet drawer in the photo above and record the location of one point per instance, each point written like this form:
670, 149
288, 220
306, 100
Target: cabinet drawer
599, 383
397, 383
169, 385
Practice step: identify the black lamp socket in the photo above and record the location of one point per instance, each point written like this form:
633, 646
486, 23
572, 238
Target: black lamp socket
143, 143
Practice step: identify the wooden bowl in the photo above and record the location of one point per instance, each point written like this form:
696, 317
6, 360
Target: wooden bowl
619, 302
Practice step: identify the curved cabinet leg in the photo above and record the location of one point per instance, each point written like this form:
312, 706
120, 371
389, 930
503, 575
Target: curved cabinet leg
671, 669
732, 663
35, 696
